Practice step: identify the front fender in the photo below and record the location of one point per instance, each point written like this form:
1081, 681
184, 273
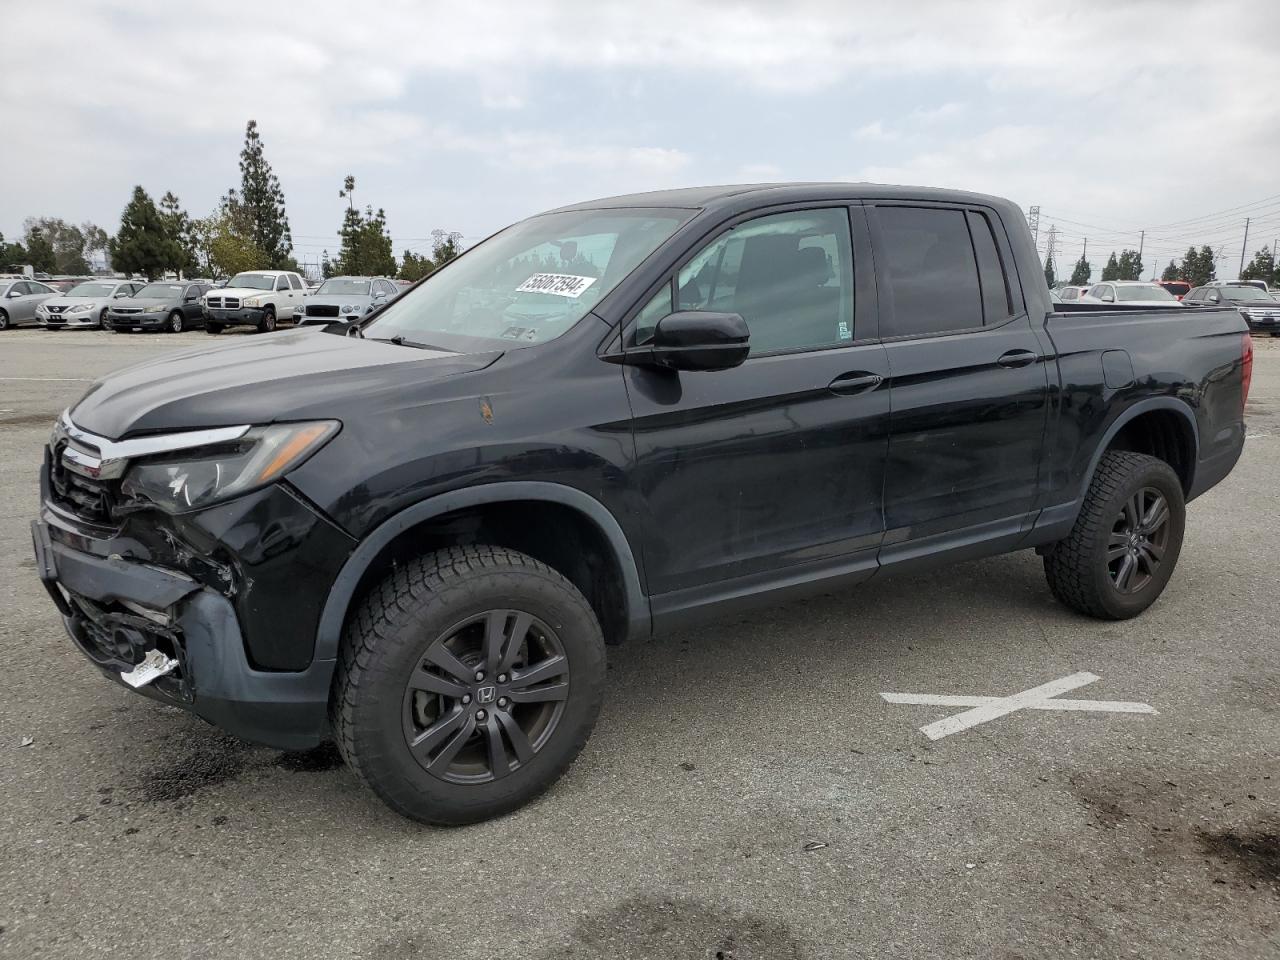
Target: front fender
342, 592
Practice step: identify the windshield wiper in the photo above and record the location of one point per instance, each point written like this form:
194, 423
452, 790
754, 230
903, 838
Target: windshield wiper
400, 341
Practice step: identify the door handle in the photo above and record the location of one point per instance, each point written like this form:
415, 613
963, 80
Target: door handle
1017, 358
857, 381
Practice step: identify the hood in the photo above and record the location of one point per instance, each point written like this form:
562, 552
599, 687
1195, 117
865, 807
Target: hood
143, 301
294, 375
244, 292
66, 303
339, 299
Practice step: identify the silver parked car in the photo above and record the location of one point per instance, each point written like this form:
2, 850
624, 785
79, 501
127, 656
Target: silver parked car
347, 298
84, 305
19, 299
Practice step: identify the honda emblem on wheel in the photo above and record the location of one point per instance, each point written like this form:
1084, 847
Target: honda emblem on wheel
486, 694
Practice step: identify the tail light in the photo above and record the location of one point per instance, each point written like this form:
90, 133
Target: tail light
1246, 369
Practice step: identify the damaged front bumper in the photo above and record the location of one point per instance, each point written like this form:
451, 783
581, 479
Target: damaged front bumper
118, 610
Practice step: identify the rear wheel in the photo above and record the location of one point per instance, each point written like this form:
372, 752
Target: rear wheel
467, 683
1122, 550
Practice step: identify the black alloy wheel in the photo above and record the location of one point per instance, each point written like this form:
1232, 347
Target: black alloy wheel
485, 697
1138, 540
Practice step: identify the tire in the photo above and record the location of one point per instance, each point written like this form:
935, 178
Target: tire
102, 319
213, 328
1086, 571
454, 595
268, 321
4, 320
176, 322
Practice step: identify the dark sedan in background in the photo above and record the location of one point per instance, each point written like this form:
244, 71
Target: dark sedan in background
1260, 310
171, 306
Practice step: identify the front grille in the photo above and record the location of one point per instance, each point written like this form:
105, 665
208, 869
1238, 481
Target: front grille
321, 310
224, 303
56, 320
55, 309
90, 500
126, 311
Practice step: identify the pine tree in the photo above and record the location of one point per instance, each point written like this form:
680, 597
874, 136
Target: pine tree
366, 245
40, 253
263, 201
1112, 269
1172, 272
415, 266
1261, 267
1081, 274
177, 226
1129, 266
1050, 275
1197, 266
142, 244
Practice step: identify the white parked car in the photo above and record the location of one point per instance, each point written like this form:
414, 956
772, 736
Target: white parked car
84, 305
1138, 293
256, 298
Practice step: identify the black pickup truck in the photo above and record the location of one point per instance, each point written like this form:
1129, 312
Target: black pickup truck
417, 534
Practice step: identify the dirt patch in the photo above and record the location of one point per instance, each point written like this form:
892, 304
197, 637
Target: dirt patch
206, 762
678, 927
317, 760
29, 420
1254, 852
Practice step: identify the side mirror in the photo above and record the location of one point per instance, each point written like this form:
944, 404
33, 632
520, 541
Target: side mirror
380, 297
694, 340
13, 294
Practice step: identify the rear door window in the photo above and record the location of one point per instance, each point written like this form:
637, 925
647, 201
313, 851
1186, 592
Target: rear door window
997, 302
931, 269
295, 281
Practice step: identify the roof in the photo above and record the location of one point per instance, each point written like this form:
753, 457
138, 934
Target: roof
750, 194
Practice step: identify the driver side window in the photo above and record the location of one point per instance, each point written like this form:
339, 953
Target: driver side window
789, 275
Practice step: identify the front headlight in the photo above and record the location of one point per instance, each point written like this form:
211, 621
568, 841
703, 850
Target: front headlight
349, 308
80, 308
252, 301
197, 478
157, 308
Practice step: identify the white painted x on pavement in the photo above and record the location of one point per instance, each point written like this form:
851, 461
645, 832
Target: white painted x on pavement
989, 708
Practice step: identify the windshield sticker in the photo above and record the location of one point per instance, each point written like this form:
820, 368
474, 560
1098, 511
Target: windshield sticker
558, 284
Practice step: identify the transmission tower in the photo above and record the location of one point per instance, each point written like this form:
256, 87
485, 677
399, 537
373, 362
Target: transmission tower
1033, 221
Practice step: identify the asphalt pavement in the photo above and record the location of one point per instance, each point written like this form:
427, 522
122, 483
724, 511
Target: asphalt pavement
748, 792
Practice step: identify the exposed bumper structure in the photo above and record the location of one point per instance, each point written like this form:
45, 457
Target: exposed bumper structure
115, 610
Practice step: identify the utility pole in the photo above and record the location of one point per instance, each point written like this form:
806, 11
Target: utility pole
1243, 247
1142, 240
1033, 221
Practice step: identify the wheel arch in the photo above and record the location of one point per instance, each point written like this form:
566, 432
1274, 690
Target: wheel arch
346, 589
1166, 425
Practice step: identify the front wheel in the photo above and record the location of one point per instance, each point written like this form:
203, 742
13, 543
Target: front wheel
213, 328
102, 319
4, 320
175, 322
1121, 552
268, 321
467, 683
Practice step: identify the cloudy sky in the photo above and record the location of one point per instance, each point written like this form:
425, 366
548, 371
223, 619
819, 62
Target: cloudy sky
1113, 116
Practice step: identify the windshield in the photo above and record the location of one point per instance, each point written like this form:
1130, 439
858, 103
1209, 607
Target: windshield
256, 281
1244, 293
340, 286
92, 290
528, 284
160, 291
1143, 291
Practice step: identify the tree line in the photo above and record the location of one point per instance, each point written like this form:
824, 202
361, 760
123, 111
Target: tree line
1197, 268
248, 230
